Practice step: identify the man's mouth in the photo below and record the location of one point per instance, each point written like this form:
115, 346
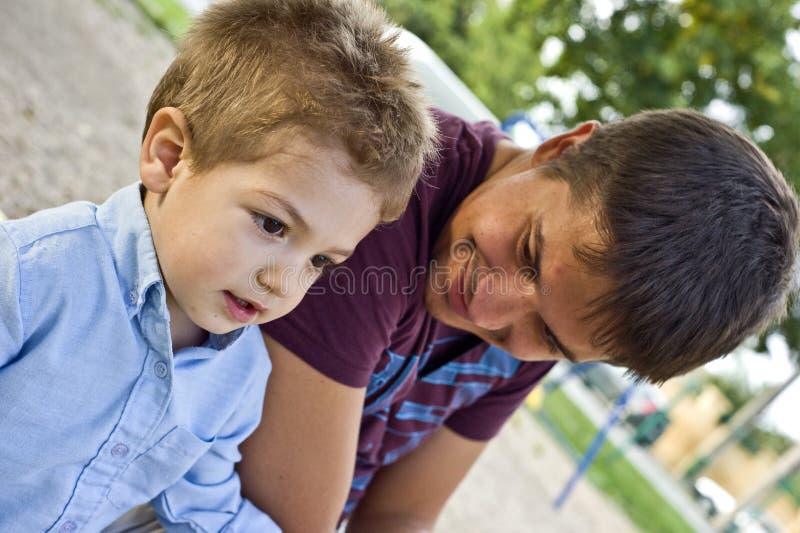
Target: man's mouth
456, 296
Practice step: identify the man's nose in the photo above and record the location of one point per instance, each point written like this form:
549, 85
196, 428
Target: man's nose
499, 298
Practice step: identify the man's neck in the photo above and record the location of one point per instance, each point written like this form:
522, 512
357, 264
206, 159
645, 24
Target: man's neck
508, 159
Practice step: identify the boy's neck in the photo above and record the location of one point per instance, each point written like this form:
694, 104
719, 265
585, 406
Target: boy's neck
183, 332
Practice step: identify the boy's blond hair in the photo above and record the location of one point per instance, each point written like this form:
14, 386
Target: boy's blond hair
328, 69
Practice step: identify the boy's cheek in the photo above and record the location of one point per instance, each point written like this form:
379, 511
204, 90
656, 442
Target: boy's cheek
285, 307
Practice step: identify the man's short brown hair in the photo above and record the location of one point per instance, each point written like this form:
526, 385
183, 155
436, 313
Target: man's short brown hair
700, 236
330, 69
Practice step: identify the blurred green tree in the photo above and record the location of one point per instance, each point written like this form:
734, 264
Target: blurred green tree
623, 56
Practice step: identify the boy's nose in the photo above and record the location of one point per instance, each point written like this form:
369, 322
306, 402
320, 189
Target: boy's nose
285, 277
271, 281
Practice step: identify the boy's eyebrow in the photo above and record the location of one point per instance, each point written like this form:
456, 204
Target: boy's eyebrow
538, 240
297, 218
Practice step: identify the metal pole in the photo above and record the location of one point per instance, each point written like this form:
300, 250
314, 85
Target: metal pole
594, 447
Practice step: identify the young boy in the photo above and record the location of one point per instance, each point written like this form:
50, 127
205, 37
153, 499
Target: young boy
130, 367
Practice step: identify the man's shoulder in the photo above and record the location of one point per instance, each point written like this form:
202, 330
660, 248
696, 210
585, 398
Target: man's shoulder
465, 153
458, 137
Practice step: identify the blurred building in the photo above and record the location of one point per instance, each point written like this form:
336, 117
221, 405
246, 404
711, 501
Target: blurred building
694, 424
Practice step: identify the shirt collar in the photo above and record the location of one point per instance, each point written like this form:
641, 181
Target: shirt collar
124, 223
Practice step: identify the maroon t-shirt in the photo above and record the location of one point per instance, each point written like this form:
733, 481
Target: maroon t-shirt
365, 324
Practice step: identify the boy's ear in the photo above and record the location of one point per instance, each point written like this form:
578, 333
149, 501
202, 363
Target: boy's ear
555, 146
165, 145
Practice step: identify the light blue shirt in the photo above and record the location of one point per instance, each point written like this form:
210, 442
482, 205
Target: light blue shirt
97, 415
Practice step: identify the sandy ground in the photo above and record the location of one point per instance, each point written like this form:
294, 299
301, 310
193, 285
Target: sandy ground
75, 76
514, 484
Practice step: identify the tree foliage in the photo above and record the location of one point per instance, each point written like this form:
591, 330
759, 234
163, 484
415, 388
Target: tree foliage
639, 54
754, 439
759, 439
735, 391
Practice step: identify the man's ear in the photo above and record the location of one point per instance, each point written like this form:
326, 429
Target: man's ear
165, 145
555, 146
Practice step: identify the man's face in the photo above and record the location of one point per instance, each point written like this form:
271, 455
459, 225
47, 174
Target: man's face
504, 269
241, 243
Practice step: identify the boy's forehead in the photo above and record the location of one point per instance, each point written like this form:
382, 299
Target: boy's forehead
303, 146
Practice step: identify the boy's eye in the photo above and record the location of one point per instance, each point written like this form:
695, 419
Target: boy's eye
321, 261
271, 226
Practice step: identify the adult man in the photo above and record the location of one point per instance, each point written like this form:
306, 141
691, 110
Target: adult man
658, 242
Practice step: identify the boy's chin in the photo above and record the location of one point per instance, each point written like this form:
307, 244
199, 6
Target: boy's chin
218, 325
221, 329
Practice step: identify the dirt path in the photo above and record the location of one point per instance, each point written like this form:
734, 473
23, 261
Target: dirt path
75, 76
512, 488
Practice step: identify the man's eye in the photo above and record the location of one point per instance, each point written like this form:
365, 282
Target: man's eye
526, 259
550, 339
270, 226
321, 261
529, 273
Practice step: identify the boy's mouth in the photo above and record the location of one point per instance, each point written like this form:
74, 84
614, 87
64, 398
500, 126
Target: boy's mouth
240, 309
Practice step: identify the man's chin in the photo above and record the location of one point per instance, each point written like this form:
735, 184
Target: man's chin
454, 320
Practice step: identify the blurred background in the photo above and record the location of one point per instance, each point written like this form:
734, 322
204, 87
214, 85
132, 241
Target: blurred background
716, 450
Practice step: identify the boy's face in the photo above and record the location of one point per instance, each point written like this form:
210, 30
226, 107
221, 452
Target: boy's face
241, 243
507, 273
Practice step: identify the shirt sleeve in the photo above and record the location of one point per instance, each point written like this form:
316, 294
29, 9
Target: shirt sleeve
483, 419
11, 331
208, 497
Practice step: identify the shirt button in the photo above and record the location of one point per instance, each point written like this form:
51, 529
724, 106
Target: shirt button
119, 450
160, 368
68, 527
133, 297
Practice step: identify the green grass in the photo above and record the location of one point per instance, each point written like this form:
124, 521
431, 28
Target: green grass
611, 473
167, 14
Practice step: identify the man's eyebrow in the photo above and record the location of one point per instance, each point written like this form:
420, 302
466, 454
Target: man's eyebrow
538, 240
563, 349
297, 219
